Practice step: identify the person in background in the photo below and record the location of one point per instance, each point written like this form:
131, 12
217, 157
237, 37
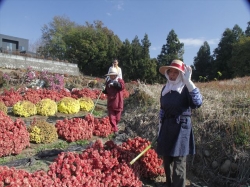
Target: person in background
119, 70
175, 136
114, 89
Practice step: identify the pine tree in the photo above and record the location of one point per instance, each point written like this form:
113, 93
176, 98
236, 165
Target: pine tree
223, 52
173, 49
135, 57
247, 32
147, 71
202, 63
240, 61
125, 60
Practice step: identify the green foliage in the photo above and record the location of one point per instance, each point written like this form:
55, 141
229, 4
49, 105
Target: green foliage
125, 59
81, 142
247, 31
242, 138
173, 49
202, 62
134, 56
10, 158
111, 136
239, 62
219, 74
242, 133
149, 72
94, 46
97, 113
53, 34
134, 65
60, 144
3, 160
223, 53
202, 79
90, 47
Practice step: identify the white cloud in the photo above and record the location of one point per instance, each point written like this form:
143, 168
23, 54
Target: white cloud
192, 41
213, 41
119, 5
198, 42
116, 4
154, 48
109, 14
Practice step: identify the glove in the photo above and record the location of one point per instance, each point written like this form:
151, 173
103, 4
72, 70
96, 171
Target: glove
186, 77
111, 83
117, 85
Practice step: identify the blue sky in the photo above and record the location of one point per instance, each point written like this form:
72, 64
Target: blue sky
194, 21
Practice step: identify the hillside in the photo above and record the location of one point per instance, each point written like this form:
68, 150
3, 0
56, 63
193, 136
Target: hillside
221, 128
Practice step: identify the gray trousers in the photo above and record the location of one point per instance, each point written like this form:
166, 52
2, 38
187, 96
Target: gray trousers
175, 170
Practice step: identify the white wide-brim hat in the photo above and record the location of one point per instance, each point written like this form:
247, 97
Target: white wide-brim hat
112, 71
176, 64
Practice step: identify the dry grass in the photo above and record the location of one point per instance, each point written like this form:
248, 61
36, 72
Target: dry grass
221, 127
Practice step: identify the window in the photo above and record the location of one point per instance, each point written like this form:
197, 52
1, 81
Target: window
9, 46
21, 48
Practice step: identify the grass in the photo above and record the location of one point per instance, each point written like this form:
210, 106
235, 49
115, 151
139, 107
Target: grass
97, 113
36, 148
80, 142
60, 144
3, 160
111, 136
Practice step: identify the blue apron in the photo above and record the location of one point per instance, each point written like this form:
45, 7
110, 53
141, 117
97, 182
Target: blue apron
176, 135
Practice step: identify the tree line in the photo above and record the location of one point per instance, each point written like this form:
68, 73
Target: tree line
93, 47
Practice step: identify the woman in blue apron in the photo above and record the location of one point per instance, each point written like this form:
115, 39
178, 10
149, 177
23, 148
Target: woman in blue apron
176, 139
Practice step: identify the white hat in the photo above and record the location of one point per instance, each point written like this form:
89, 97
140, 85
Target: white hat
112, 71
176, 64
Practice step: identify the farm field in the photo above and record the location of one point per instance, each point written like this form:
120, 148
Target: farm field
221, 129
40, 156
